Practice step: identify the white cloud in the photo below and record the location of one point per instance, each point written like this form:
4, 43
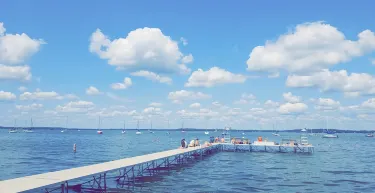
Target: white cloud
7, 96
270, 103
22, 88
19, 73
353, 84
292, 108
187, 59
153, 76
373, 61
212, 77
290, 98
32, 107
248, 96
240, 102
120, 86
327, 104
195, 105
143, 49
154, 104
39, 95
274, 75
92, 91
16, 48
152, 110
182, 95
117, 98
70, 96
246, 99
370, 103
75, 107
310, 47
184, 41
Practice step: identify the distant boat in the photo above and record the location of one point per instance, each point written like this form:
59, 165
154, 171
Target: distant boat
206, 132
29, 129
99, 130
330, 136
276, 133
138, 131
123, 130
215, 130
370, 135
14, 130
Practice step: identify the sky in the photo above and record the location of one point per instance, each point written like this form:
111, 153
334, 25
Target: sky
211, 64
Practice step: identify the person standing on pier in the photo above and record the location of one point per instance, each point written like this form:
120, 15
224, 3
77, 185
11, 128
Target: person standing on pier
183, 143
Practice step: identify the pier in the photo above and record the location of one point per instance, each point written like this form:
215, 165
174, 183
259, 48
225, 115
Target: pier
130, 171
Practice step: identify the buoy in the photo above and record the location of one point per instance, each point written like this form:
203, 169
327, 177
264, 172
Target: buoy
74, 148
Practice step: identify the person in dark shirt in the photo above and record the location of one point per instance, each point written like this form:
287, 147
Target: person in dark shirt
183, 143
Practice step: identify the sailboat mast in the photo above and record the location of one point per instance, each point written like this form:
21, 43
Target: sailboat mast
99, 123
124, 125
138, 124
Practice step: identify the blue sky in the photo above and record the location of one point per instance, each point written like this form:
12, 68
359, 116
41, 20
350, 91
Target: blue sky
247, 65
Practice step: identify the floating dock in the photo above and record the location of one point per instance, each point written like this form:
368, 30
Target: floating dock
130, 170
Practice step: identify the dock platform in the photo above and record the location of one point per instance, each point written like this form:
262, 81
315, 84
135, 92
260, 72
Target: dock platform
130, 171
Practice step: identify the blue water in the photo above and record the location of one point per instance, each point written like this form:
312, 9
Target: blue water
345, 164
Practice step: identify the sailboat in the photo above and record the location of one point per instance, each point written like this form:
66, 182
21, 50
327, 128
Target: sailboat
138, 131
206, 132
123, 131
66, 125
370, 135
31, 126
329, 134
151, 129
183, 131
275, 133
99, 130
14, 130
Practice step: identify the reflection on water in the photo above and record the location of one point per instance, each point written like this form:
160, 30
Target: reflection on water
338, 165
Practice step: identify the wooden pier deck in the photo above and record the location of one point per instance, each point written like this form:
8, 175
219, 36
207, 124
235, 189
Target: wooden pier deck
59, 177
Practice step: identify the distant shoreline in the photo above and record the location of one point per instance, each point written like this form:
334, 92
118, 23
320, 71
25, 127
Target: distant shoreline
194, 129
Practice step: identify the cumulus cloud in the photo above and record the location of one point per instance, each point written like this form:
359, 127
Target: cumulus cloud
187, 59
212, 77
22, 88
75, 107
309, 47
124, 85
292, 108
154, 104
370, 103
117, 98
290, 98
31, 107
183, 95
92, 91
327, 104
184, 41
18, 73
143, 49
16, 48
195, 105
270, 103
353, 84
153, 76
7, 96
246, 99
39, 95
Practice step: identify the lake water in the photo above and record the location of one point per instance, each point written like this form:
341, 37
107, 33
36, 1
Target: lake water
346, 164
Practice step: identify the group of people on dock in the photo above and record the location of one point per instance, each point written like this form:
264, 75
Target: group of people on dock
193, 143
